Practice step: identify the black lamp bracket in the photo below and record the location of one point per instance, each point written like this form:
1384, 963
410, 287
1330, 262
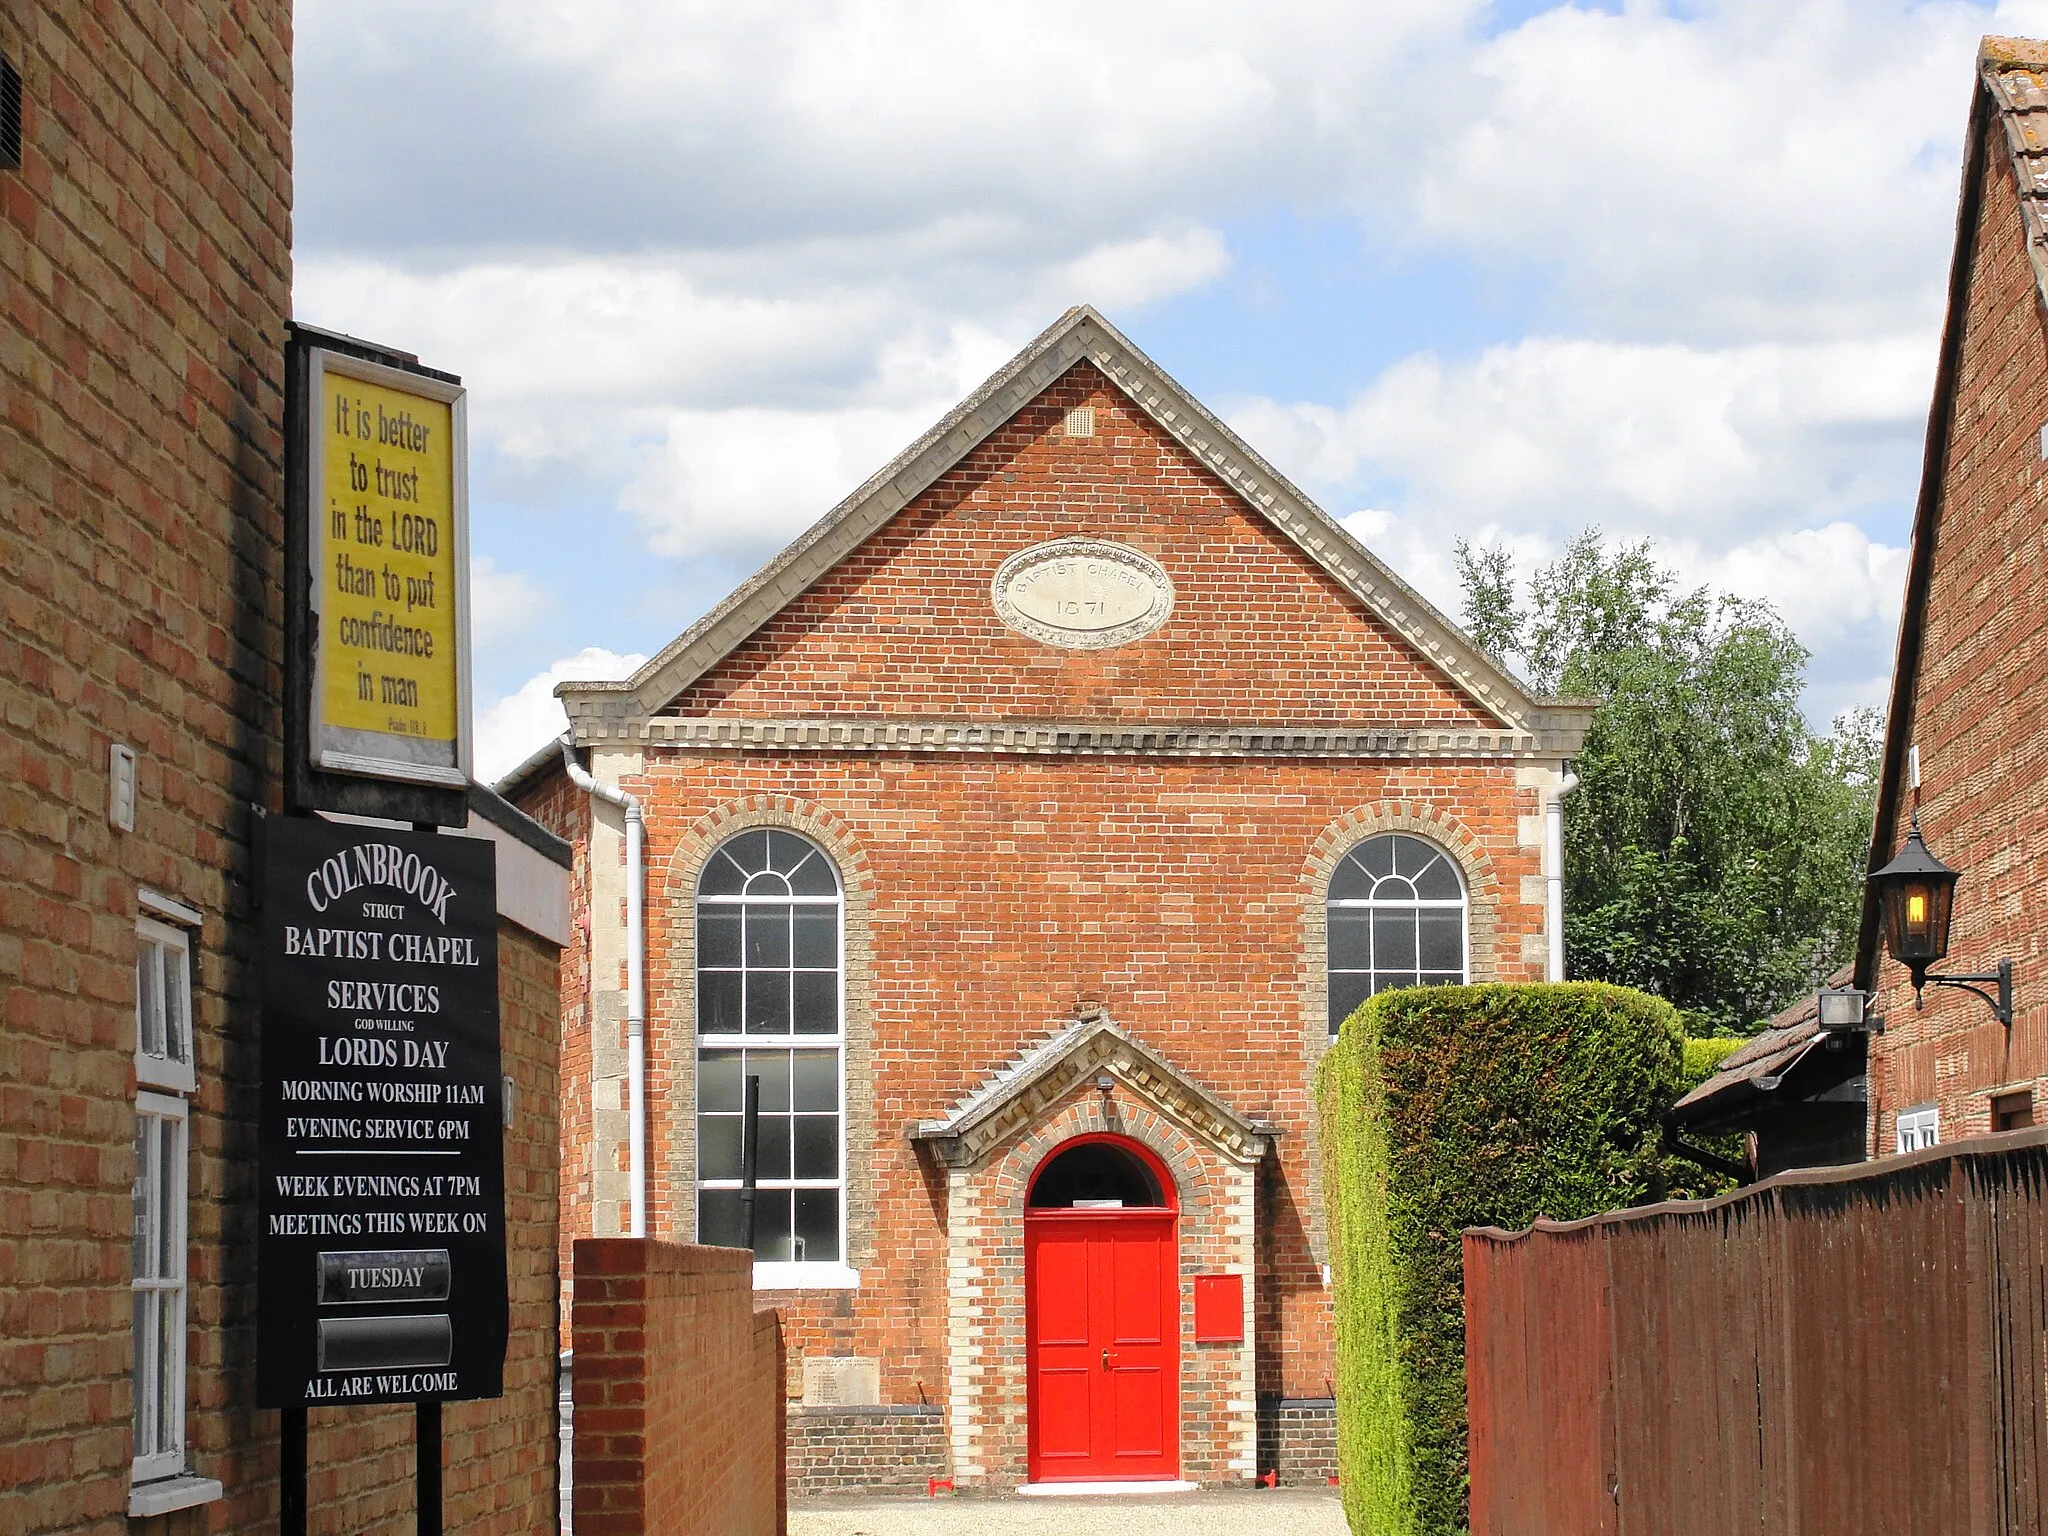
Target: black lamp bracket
1973, 982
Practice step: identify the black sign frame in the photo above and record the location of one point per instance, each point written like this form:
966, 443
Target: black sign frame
307, 787
381, 1249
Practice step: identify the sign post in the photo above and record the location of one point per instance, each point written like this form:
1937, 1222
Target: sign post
381, 1261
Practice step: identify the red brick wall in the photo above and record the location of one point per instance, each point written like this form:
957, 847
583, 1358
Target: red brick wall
1980, 710
144, 282
678, 1382
1178, 894
1259, 632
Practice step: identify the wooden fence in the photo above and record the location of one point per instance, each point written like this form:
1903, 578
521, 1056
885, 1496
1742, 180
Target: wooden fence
1844, 1350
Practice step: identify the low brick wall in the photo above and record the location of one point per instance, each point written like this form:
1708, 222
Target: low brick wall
888, 1449
1298, 1439
679, 1421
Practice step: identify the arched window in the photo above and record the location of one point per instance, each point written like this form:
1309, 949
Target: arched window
771, 1004
1397, 915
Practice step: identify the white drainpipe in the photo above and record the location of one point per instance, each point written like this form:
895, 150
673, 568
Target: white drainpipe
1553, 859
636, 985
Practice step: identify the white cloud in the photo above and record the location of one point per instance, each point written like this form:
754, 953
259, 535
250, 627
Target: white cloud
1831, 584
728, 419
1724, 171
689, 123
502, 602
511, 729
752, 479
1549, 434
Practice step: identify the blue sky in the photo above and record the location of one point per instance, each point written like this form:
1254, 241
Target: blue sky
1493, 272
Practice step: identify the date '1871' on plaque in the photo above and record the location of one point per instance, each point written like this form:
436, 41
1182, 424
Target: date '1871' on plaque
1084, 594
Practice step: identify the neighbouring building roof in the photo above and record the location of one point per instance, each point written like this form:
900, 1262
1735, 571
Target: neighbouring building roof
2008, 116
619, 711
1026, 1088
1749, 1076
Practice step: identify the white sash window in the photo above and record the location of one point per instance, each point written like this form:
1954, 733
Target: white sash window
771, 1005
1398, 917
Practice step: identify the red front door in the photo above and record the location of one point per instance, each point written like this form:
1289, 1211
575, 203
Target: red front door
1102, 1344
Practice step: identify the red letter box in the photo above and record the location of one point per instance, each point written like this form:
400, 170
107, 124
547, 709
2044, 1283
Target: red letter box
1219, 1309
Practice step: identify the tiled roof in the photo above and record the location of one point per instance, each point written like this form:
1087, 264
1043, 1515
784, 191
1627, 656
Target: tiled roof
1791, 1030
2015, 75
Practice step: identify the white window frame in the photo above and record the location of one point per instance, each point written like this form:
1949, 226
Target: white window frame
1369, 904
1918, 1128
163, 1006
788, 1275
161, 1230
160, 1286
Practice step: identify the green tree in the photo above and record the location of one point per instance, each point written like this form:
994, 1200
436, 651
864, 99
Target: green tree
1714, 850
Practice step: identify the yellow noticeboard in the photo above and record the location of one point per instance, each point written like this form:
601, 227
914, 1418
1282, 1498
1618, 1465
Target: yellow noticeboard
389, 573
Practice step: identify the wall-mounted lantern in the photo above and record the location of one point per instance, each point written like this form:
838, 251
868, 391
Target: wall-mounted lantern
1915, 899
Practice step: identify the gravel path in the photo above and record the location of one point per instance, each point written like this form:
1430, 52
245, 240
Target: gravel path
1275, 1512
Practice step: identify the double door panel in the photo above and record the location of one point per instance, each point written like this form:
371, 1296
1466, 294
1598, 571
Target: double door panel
1103, 1346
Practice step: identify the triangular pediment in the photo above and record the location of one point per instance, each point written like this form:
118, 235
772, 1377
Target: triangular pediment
1030, 1088
621, 711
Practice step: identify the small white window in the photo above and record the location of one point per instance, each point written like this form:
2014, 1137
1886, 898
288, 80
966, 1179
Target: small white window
1919, 1127
159, 1481
159, 1286
163, 1006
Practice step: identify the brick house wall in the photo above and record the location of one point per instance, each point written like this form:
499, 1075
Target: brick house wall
1162, 855
1975, 643
145, 282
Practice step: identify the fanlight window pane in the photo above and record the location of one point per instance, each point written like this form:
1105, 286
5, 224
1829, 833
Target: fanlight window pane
1398, 917
768, 976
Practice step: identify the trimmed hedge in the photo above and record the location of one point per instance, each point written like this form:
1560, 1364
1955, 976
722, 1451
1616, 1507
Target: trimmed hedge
1703, 1058
1444, 1108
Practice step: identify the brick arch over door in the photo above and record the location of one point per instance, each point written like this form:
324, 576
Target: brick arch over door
673, 1032
1417, 818
1216, 1199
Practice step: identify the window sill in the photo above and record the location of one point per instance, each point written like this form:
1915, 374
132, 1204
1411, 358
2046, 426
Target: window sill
171, 1493
805, 1277
162, 1073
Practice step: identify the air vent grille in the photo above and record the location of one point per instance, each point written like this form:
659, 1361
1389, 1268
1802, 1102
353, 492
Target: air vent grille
10, 115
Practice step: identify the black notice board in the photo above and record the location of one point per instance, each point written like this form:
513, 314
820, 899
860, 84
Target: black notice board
381, 1259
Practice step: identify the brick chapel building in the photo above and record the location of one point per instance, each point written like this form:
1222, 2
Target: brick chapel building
1973, 643
1025, 827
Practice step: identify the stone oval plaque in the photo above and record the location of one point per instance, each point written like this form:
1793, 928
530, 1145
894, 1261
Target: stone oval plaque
1085, 594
